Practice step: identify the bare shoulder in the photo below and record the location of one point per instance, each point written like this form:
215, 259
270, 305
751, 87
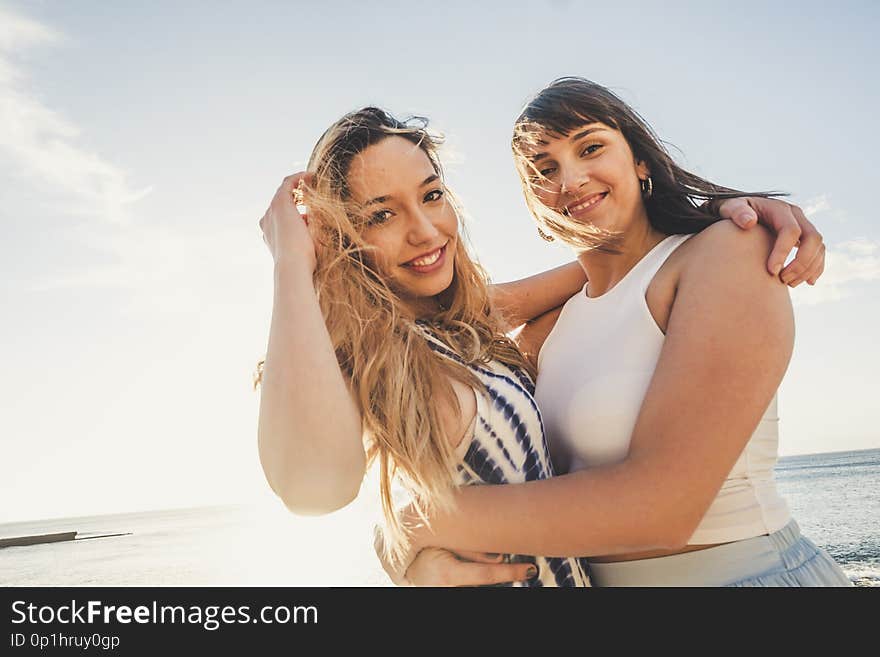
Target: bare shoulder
725, 244
724, 269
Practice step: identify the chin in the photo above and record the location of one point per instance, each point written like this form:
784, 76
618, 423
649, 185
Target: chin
440, 286
429, 289
608, 225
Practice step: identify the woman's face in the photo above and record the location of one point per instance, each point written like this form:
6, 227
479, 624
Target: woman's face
410, 222
590, 175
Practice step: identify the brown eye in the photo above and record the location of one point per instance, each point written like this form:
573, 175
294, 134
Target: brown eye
380, 217
433, 195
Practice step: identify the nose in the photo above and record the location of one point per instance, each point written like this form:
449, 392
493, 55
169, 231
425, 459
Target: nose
421, 228
573, 178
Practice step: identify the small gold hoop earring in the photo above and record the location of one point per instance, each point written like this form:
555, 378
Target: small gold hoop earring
647, 187
545, 236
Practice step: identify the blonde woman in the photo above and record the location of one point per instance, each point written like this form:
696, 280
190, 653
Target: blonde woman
657, 381
386, 342
383, 343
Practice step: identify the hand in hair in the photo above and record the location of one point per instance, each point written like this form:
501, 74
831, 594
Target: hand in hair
792, 229
286, 231
313, 465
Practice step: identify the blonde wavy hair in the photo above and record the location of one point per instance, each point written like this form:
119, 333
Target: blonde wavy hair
399, 382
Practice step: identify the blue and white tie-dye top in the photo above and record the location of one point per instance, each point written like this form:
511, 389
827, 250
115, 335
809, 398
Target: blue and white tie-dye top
508, 447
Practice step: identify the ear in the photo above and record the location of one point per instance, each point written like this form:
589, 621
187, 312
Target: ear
642, 170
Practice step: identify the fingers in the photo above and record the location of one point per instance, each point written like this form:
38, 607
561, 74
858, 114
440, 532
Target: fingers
800, 270
819, 269
809, 263
479, 557
776, 215
293, 181
814, 269
285, 228
739, 211
480, 574
438, 567
287, 192
788, 235
793, 230
284, 199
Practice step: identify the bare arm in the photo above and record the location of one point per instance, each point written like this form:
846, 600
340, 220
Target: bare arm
728, 343
533, 335
309, 432
525, 299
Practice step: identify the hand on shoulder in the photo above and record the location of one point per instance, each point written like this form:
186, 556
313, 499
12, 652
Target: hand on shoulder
737, 250
725, 288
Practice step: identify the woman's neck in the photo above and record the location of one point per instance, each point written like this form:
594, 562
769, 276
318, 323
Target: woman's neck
427, 308
605, 270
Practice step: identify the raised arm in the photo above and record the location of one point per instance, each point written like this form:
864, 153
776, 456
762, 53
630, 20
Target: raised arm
525, 299
309, 431
728, 343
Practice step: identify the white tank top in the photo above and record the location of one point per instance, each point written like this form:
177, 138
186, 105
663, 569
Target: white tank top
593, 372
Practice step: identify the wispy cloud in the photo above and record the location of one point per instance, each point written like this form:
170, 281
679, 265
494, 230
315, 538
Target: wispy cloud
822, 205
165, 268
816, 205
21, 32
169, 271
43, 144
42, 148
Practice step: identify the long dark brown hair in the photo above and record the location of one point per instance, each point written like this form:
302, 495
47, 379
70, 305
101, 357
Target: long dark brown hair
681, 202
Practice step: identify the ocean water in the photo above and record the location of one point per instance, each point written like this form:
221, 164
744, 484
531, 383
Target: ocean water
835, 498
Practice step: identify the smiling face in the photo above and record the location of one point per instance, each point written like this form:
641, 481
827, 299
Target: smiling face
410, 221
590, 175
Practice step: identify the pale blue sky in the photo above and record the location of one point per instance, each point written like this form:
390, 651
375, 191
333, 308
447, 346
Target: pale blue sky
140, 144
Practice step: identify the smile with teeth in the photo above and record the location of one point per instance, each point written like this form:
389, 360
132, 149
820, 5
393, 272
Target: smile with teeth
427, 260
588, 203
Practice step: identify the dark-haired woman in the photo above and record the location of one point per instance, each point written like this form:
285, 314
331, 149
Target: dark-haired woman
657, 381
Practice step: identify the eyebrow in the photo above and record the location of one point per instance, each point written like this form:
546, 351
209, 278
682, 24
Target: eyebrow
574, 137
382, 199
